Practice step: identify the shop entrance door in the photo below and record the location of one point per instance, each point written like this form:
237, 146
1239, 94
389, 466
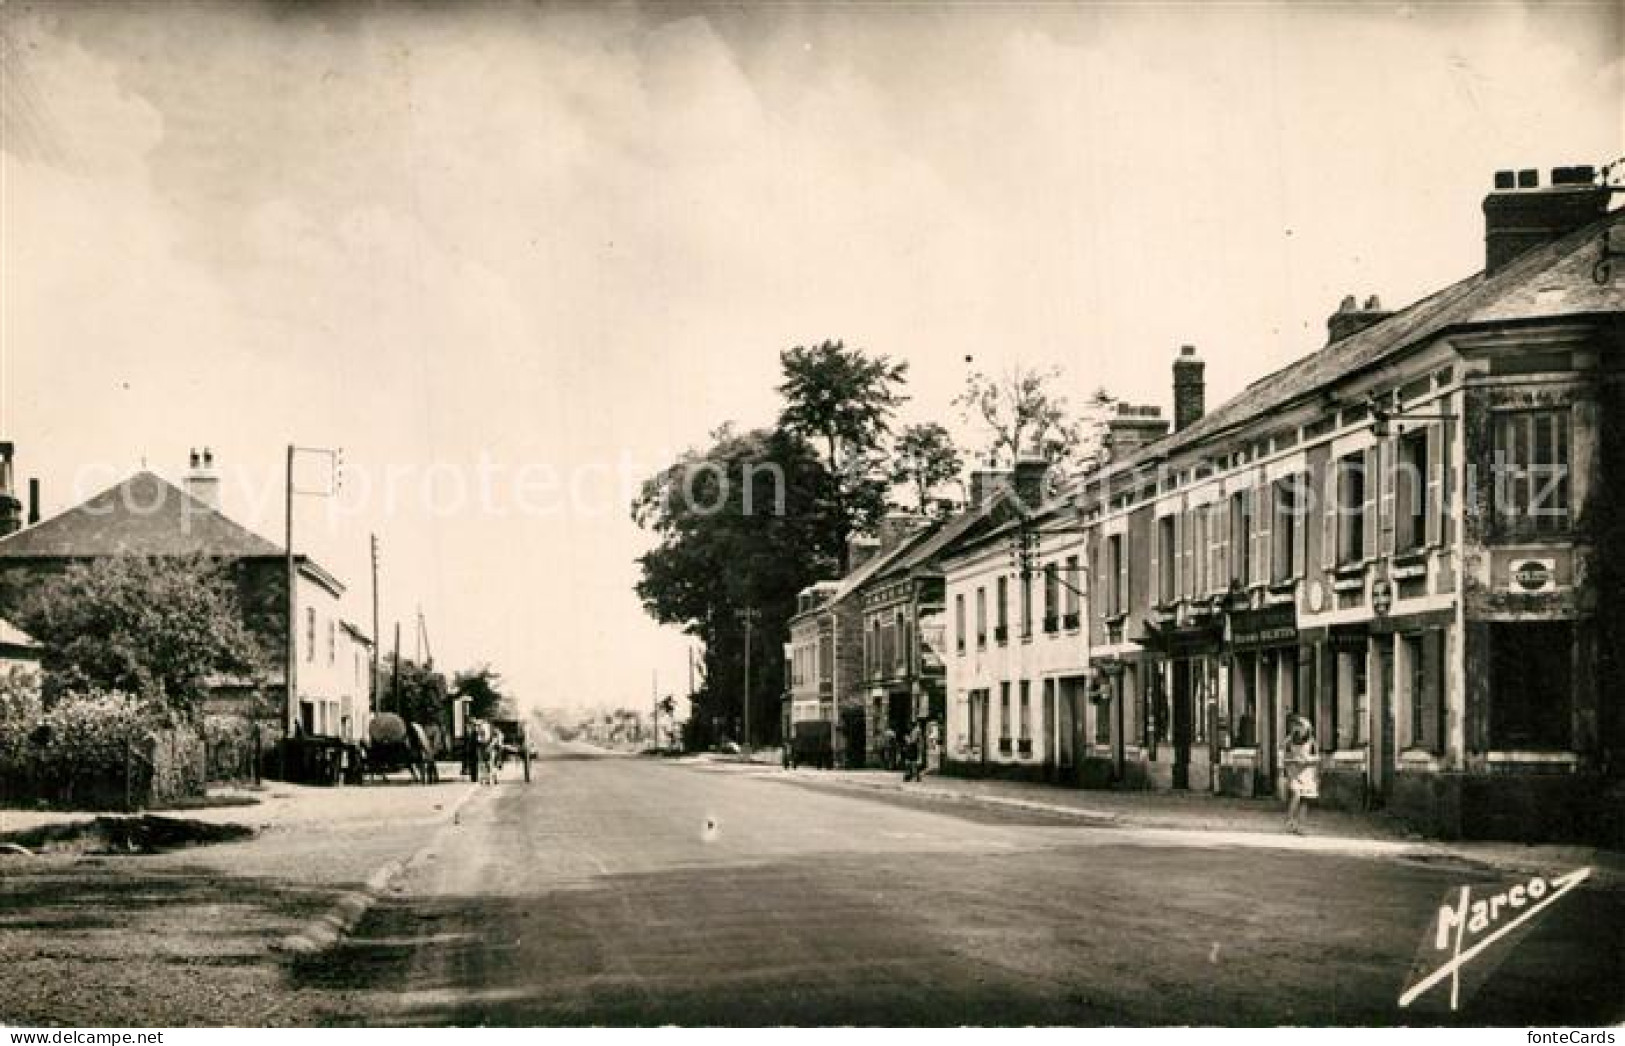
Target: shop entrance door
1182, 712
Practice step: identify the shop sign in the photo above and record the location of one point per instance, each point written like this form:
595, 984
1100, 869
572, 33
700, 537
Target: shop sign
1533, 575
1275, 625
933, 633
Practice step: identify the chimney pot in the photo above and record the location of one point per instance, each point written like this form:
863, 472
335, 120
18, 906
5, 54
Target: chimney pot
33, 501
1505, 180
1529, 179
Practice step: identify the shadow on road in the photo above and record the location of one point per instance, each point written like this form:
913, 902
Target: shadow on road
1068, 936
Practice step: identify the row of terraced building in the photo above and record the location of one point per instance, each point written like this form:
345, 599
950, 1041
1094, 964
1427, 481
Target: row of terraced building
1411, 537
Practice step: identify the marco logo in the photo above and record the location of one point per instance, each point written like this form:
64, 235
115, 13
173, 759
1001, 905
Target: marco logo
1468, 926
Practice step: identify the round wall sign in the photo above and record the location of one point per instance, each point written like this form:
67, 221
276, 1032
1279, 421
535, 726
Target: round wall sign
1532, 575
1382, 597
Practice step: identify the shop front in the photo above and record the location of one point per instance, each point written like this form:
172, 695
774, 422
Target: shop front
1261, 645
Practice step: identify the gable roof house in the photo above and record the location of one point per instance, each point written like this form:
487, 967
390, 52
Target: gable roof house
146, 515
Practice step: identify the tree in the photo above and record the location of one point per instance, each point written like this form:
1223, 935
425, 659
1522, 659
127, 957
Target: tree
482, 687
842, 400
742, 523
160, 628
1027, 414
416, 693
924, 459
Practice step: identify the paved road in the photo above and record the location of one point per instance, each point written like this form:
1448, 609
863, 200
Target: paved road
615, 890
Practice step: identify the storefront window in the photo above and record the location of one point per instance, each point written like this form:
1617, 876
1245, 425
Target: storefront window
1531, 685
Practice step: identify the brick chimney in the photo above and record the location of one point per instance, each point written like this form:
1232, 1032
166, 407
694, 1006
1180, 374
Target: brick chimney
1519, 215
1189, 388
1132, 428
1027, 482
11, 510
1351, 318
202, 481
33, 501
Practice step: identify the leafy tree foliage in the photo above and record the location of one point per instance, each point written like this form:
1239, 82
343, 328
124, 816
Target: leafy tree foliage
159, 628
924, 460
842, 400
483, 688
1025, 412
417, 693
743, 523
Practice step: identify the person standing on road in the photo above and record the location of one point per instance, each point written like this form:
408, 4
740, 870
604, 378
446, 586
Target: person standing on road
1298, 758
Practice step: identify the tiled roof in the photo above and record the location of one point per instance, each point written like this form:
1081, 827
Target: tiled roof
144, 515
944, 536
1549, 282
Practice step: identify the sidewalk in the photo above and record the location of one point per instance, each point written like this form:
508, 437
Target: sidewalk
186, 936
1240, 821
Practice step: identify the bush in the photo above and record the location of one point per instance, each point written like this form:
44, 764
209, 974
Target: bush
86, 748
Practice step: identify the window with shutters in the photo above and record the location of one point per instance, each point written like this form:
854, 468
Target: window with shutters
1240, 532
1411, 489
975, 704
959, 622
1001, 627
981, 618
1027, 605
1218, 576
1116, 576
1167, 561
905, 644
310, 633
1353, 504
1072, 597
1286, 532
1025, 724
1531, 468
1004, 716
1052, 597
1198, 550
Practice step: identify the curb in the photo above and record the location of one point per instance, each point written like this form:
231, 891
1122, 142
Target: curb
346, 912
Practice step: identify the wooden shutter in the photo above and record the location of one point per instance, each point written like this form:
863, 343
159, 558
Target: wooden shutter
1330, 499
1432, 662
1120, 604
1263, 528
1368, 510
1326, 699
1155, 586
1300, 524
1222, 581
1437, 463
1387, 451
1188, 546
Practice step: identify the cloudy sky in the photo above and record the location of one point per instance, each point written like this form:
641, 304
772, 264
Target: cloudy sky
519, 242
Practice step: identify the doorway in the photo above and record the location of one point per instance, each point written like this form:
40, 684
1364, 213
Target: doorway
1382, 750
1183, 710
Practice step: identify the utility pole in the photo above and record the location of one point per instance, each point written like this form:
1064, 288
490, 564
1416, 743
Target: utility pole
395, 687
748, 615
377, 640
654, 697
290, 664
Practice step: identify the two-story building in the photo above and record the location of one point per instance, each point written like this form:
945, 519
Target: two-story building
826, 713
906, 647
1405, 536
1018, 659
146, 515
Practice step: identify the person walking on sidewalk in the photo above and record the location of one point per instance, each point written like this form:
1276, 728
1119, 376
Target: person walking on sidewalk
911, 754
1299, 760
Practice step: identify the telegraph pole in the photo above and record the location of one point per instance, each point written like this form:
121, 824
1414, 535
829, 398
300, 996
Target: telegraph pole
377, 640
290, 664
